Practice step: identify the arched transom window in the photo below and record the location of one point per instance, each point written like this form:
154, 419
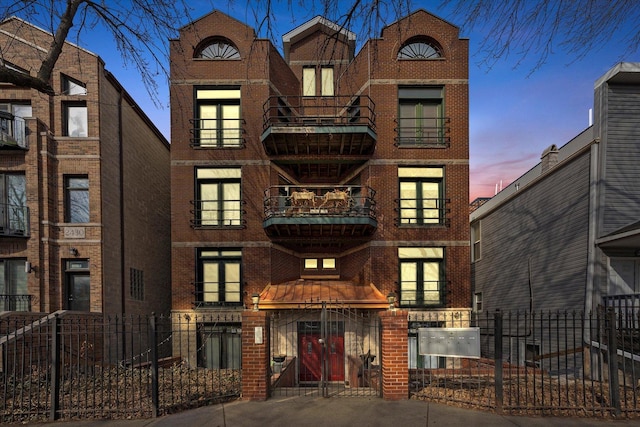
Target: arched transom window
419, 49
219, 49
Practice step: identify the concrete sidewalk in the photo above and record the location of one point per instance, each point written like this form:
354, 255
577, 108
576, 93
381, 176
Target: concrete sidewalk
318, 411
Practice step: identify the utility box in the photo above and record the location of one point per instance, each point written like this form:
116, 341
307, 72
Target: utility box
449, 342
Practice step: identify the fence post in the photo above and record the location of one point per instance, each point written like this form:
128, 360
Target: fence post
612, 357
55, 368
153, 344
497, 334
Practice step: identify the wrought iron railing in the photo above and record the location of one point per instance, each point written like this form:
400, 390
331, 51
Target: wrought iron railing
15, 302
215, 294
425, 211
319, 200
89, 366
13, 131
217, 133
564, 362
432, 293
626, 307
433, 132
14, 220
319, 111
217, 213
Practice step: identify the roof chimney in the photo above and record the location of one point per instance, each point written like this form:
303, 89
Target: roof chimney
549, 158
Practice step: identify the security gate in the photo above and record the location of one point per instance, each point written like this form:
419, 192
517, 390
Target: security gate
325, 350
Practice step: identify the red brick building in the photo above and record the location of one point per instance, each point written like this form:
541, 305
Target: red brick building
318, 178
84, 188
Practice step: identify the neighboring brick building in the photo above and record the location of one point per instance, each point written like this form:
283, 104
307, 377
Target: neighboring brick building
84, 218
322, 181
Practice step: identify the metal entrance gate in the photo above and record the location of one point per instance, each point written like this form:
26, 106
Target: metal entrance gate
325, 351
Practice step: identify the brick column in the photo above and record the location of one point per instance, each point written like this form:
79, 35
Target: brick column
395, 354
255, 356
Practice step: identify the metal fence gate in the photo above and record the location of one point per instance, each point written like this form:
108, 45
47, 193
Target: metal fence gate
327, 350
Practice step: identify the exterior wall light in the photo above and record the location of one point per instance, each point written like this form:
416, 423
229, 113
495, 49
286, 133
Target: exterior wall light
73, 252
391, 298
255, 299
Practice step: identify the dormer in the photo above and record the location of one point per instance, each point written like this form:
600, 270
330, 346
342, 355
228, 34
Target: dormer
319, 39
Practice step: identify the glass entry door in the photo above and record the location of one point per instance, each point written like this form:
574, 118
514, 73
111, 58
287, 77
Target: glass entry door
78, 285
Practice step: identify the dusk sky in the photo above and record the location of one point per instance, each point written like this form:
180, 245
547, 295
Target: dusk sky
514, 114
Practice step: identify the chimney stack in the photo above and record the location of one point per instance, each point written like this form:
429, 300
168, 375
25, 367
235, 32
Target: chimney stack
549, 158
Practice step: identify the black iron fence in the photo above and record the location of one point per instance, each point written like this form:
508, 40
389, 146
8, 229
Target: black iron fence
83, 365
69, 365
15, 302
547, 363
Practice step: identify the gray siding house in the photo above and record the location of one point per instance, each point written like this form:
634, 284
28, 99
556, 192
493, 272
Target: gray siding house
566, 234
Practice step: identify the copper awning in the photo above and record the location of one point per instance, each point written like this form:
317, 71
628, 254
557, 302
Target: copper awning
309, 293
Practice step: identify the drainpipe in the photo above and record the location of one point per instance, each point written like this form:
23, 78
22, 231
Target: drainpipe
594, 172
122, 245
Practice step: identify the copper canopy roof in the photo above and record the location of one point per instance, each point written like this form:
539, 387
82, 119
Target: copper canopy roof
311, 293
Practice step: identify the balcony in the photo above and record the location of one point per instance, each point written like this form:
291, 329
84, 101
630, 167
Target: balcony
431, 293
15, 302
319, 216
12, 132
319, 137
416, 212
216, 294
217, 213
217, 133
14, 221
425, 132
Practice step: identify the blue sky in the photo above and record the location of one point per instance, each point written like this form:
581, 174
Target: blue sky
514, 114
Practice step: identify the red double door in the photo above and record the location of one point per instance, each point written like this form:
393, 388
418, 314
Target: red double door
312, 352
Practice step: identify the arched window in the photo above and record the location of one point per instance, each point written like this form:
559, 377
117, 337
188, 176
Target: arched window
219, 49
420, 49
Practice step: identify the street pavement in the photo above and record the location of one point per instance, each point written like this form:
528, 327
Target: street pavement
352, 412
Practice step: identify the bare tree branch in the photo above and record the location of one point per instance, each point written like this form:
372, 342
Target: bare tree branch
49, 62
534, 30
141, 28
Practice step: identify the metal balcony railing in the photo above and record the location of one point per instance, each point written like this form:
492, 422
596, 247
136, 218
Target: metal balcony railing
419, 212
431, 294
319, 111
214, 294
217, 213
15, 302
423, 132
319, 200
217, 133
12, 131
14, 220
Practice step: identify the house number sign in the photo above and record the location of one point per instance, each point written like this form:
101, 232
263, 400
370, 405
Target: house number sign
74, 232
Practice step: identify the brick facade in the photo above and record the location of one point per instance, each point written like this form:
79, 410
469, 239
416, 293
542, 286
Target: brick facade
266, 77
255, 355
126, 161
395, 355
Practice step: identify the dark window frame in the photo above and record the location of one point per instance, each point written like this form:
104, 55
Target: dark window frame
221, 203
420, 281
66, 105
224, 136
229, 336
417, 128
221, 259
217, 49
421, 203
67, 83
420, 48
68, 189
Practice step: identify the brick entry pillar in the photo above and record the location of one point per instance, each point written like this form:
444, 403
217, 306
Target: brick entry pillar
395, 354
255, 356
